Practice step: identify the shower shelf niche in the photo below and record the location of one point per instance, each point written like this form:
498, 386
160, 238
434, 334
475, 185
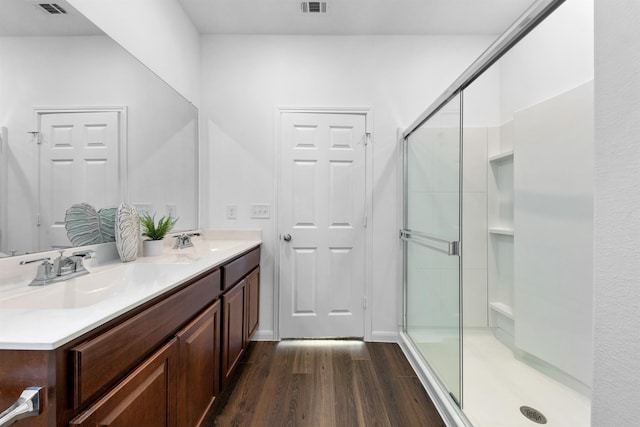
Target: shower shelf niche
501, 230
503, 309
501, 156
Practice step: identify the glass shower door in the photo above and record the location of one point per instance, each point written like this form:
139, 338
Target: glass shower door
432, 234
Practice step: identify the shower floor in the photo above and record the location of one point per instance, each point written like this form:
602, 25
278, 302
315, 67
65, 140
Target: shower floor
496, 384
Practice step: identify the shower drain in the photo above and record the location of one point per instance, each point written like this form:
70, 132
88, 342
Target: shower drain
533, 414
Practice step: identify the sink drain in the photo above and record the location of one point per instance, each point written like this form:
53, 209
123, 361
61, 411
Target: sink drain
533, 414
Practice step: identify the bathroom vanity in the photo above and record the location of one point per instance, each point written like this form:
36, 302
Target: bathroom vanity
154, 351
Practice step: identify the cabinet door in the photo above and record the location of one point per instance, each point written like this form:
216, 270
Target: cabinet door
233, 329
199, 382
252, 303
147, 397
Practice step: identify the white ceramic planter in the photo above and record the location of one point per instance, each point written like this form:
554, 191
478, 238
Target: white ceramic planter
152, 247
127, 231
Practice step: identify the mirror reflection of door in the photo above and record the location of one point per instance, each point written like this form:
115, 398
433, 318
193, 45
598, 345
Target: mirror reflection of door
78, 163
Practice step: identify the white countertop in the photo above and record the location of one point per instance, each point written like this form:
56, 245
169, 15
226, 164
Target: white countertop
46, 317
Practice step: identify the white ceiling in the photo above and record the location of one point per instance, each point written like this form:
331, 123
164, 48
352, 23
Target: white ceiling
24, 17
355, 16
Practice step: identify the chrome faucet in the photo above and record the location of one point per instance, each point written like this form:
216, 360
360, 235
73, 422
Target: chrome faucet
44, 274
184, 240
63, 268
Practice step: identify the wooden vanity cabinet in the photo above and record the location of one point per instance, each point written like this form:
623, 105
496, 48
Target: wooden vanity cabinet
237, 269
240, 283
252, 303
176, 385
233, 343
146, 397
199, 366
101, 359
242, 309
161, 364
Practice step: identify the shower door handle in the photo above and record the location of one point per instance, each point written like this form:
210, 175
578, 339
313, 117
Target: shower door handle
453, 246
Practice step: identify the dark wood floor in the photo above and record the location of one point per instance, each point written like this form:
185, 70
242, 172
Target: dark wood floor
325, 383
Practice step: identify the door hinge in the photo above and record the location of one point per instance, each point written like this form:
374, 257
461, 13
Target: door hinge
366, 221
364, 303
37, 136
367, 138
38, 220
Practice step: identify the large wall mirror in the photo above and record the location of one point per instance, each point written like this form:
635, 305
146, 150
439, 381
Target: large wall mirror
83, 121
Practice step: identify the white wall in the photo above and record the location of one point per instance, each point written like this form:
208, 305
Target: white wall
245, 77
157, 32
474, 227
553, 223
617, 215
555, 57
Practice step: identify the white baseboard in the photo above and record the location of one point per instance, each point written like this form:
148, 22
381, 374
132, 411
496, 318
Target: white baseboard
384, 336
261, 335
381, 336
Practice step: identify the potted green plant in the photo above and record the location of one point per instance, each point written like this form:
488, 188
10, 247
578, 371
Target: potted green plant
155, 232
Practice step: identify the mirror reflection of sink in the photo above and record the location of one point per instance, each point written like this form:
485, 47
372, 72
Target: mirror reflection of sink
97, 287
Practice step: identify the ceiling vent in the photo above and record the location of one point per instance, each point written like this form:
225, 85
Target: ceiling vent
52, 8
313, 7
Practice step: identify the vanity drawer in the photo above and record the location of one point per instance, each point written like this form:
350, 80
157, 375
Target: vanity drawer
237, 269
103, 359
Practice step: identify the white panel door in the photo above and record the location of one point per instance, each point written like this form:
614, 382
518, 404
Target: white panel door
322, 209
78, 163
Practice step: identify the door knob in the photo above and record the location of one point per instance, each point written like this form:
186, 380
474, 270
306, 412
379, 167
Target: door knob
286, 237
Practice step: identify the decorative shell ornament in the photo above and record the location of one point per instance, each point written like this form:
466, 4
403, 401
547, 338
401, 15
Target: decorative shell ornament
85, 226
127, 232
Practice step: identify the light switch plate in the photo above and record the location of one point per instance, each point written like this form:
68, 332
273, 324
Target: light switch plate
232, 211
261, 210
172, 210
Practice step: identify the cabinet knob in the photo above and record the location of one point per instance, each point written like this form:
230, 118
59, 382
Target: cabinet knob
286, 237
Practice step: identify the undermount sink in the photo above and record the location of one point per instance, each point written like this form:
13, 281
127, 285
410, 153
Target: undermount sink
218, 245
175, 257
201, 249
95, 288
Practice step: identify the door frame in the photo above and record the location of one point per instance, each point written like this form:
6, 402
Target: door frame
123, 169
367, 112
